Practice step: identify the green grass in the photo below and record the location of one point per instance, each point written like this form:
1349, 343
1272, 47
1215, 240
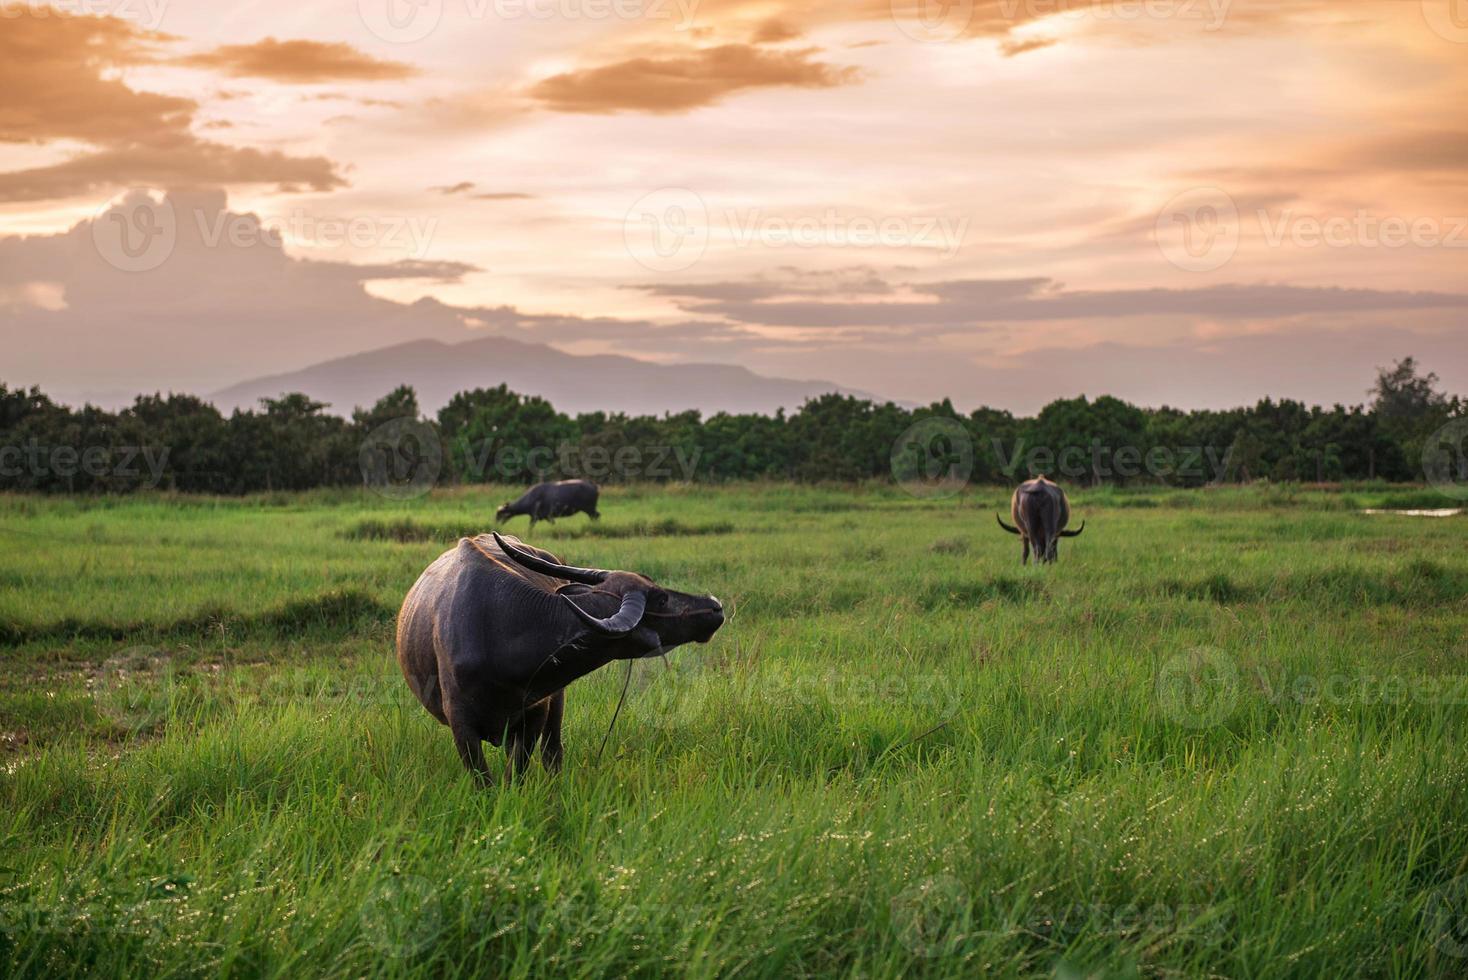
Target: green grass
1227, 735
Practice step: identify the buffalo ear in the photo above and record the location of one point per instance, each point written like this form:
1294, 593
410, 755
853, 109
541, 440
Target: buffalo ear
574, 588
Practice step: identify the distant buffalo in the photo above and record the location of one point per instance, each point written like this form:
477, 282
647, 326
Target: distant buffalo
547, 501
493, 631
1040, 512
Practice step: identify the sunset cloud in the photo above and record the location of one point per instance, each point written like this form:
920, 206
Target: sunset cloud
137, 138
1012, 49
74, 99
774, 31
299, 62
680, 83
962, 303
180, 161
465, 188
1444, 150
549, 165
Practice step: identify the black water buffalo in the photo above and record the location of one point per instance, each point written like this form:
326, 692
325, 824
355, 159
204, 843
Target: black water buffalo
1040, 512
547, 501
493, 631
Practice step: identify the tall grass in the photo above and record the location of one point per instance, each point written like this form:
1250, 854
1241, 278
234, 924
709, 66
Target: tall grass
1223, 737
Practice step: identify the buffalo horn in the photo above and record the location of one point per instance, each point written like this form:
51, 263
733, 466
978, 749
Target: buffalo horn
624, 621
586, 576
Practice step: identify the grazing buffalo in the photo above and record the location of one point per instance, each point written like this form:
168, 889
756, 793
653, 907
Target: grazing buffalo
547, 501
1040, 512
493, 631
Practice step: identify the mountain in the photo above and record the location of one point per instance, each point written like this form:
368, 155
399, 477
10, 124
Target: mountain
572, 383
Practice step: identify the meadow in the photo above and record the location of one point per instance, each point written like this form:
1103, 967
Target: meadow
1226, 735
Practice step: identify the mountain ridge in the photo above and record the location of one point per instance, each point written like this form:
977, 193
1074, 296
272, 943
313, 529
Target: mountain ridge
573, 383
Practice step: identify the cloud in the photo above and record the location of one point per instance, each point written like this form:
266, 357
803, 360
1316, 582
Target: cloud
180, 161
1428, 150
225, 301
773, 31
299, 62
979, 303
1439, 152
217, 311
1013, 48
1317, 363
1229, 372
783, 282
439, 271
52, 84
466, 186
133, 137
228, 302
680, 83
358, 99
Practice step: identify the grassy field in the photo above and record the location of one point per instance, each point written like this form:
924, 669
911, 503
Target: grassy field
1227, 735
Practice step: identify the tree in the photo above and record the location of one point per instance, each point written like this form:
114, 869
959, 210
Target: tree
1409, 408
400, 403
293, 442
304, 446
188, 434
495, 434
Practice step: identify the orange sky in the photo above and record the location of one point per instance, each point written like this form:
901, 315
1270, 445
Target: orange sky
1003, 201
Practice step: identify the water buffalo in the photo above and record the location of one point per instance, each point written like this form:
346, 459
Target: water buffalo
547, 501
1040, 511
493, 631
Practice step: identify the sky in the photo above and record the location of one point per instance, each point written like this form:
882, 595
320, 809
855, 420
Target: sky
1187, 202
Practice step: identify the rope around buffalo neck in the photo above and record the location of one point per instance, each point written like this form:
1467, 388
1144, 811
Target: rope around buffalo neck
626, 682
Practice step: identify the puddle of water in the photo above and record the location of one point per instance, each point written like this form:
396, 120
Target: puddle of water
1443, 512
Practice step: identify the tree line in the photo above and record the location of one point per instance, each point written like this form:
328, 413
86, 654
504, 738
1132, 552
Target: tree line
181, 442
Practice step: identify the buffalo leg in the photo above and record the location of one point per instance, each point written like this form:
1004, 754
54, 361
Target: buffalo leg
471, 750
550, 740
517, 750
1026, 559
525, 734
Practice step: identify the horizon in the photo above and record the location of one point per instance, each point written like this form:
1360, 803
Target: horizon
986, 201
122, 403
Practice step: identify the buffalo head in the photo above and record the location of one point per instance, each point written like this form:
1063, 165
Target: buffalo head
633, 614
